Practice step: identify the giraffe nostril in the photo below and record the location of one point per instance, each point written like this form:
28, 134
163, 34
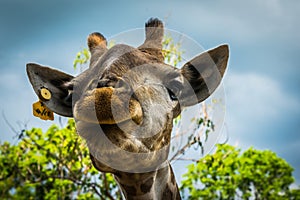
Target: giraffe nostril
123, 86
103, 83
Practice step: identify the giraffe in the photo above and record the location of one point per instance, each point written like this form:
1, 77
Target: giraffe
124, 105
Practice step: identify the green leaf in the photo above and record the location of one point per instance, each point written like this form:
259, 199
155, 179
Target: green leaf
230, 174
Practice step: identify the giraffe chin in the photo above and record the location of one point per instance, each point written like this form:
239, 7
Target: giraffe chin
96, 108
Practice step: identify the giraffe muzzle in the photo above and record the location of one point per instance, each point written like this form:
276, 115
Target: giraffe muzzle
107, 106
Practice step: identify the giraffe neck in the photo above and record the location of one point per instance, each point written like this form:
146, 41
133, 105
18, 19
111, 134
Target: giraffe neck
157, 185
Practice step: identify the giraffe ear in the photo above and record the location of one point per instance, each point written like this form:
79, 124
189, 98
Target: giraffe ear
58, 83
203, 74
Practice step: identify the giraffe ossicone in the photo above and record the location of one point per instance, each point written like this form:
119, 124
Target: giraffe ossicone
124, 105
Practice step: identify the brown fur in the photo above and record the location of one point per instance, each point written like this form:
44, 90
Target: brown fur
101, 99
96, 39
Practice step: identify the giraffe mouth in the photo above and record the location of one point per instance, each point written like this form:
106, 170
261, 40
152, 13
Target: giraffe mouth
103, 106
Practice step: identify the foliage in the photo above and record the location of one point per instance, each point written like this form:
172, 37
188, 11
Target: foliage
230, 174
82, 57
52, 165
171, 51
295, 194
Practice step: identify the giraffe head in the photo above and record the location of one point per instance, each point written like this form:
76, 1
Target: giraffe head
124, 104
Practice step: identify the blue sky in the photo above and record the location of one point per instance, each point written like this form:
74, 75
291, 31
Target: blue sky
262, 82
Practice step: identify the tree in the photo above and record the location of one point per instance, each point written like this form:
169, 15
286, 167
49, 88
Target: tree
52, 165
230, 174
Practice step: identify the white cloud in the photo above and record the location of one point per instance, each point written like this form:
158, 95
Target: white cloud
257, 107
245, 22
259, 97
261, 114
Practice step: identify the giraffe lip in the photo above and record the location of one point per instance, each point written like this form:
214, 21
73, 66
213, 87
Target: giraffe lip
137, 116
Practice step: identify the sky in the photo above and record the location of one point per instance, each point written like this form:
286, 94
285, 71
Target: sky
261, 83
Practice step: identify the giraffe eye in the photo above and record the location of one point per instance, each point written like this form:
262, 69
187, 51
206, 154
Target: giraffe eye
172, 95
174, 89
